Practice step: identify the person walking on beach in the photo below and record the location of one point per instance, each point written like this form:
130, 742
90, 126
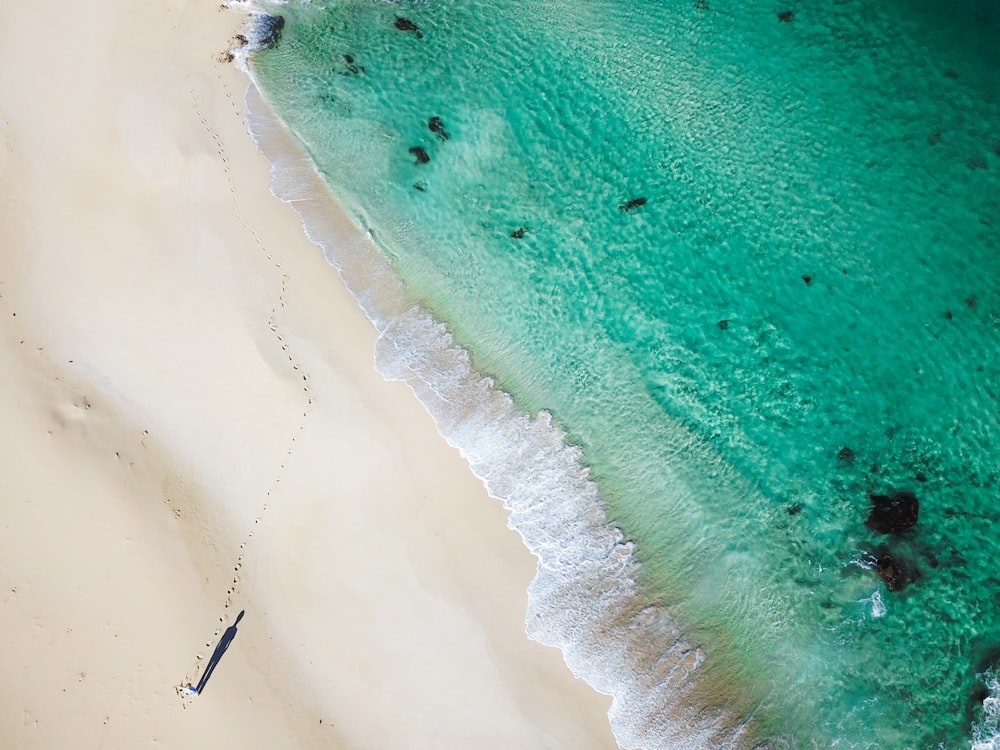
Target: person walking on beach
224, 642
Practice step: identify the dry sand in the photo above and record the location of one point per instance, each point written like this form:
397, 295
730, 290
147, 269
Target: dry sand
193, 426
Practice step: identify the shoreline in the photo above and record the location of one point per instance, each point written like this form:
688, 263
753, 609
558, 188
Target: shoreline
611, 636
182, 407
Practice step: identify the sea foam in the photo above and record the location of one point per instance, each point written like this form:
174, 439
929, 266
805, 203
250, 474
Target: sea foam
986, 733
586, 598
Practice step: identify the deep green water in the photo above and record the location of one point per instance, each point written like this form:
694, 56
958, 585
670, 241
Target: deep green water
816, 268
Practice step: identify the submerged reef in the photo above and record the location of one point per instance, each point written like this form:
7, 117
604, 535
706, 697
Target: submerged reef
893, 514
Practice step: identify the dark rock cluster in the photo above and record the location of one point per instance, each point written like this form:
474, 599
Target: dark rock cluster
893, 514
896, 571
267, 30
437, 127
405, 24
420, 153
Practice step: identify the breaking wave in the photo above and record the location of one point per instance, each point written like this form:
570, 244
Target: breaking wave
986, 732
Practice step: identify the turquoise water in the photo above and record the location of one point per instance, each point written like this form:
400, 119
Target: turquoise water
804, 311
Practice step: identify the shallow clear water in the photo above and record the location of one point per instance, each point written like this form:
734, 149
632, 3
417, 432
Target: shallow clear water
815, 267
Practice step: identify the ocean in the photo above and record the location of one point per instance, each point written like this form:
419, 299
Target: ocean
708, 293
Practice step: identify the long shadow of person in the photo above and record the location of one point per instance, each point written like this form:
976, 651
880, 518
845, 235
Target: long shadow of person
224, 642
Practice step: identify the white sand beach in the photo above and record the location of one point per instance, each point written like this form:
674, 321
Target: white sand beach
194, 427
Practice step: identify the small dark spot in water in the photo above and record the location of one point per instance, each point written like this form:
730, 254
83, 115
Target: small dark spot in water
794, 510
519, 233
632, 204
948, 315
976, 163
405, 24
807, 279
418, 151
723, 324
951, 73
436, 126
970, 302
874, 468
786, 16
921, 477
934, 138
352, 69
419, 186
845, 456
843, 271
701, 4
826, 604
